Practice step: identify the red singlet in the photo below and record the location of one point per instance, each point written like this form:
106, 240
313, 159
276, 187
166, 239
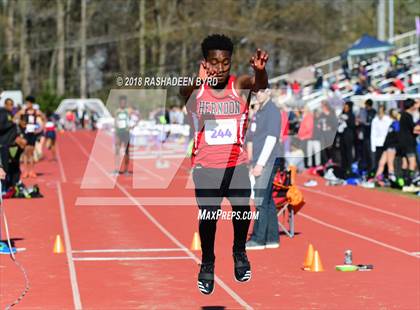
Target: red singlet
220, 121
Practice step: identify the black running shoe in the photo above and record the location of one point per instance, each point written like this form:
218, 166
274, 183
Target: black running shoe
242, 267
206, 279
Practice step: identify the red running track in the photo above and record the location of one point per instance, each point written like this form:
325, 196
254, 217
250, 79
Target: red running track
128, 252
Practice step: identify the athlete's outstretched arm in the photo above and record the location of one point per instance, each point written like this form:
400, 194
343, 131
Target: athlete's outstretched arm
260, 79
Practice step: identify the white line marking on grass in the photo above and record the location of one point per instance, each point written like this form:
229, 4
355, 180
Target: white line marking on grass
385, 245
96, 259
224, 286
362, 205
72, 270
60, 164
128, 250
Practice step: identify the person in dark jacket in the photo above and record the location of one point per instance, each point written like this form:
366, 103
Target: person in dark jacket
346, 129
407, 138
366, 117
326, 124
8, 134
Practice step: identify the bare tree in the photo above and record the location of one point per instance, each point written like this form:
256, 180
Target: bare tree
162, 29
9, 31
24, 60
142, 37
83, 90
61, 49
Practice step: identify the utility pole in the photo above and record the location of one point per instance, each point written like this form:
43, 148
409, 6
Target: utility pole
83, 51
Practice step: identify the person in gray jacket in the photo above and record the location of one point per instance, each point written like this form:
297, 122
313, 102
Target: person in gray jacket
265, 133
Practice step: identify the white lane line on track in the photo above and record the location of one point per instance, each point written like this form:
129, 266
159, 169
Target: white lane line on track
60, 164
125, 201
362, 205
96, 259
382, 244
128, 250
73, 278
173, 156
224, 286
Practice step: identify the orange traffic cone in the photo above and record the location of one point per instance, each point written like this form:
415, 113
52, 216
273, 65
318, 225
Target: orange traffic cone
196, 243
309, 257
58, 245
316, 264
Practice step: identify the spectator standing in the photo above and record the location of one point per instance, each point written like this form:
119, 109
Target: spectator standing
70, 121
326, 124
305, 130
346, 129
7, 135
266, 130
391, 145
366, 117
378, 133
12, 143
309, 133
407, 138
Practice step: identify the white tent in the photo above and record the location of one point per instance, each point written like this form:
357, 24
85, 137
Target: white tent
15, 95
91, 105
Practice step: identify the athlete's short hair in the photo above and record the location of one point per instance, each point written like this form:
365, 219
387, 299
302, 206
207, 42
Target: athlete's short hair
408, 103
216, 42
30, 99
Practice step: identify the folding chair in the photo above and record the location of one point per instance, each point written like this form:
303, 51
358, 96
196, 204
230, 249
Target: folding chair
288, 200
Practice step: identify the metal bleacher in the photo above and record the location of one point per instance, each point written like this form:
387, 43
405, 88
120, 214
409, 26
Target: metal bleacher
406, 47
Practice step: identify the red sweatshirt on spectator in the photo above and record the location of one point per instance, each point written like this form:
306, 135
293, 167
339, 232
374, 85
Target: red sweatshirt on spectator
284, 131
306, 127
399, 84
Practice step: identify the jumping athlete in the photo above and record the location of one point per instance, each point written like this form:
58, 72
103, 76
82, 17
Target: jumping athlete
219, 114
122, 134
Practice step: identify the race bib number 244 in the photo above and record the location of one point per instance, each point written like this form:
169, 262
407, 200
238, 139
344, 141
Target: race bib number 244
221, 131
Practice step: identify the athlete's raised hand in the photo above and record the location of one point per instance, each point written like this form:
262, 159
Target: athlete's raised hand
206, 71
258, 60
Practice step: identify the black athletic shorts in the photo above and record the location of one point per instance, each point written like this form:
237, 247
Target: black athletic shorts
123, 137
407, 150
30, 139
213, 184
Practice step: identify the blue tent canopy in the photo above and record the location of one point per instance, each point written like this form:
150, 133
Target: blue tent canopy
368, 45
